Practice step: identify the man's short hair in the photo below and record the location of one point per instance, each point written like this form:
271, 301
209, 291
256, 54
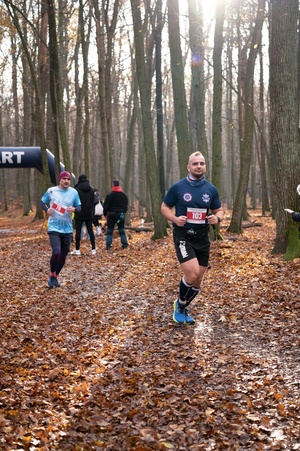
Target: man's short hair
196, 154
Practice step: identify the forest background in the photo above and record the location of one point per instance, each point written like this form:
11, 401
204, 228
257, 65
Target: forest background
129, 89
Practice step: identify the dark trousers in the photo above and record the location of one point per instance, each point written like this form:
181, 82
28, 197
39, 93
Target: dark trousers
111, 221
89, 227
60, 243
96, 220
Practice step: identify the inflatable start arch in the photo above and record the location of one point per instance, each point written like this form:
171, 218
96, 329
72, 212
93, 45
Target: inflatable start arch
28, 157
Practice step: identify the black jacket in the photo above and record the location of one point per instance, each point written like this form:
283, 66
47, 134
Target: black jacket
86, 194
296, 216
116, 202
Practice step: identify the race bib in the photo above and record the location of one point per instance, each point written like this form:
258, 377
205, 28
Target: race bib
58, 208
196, 215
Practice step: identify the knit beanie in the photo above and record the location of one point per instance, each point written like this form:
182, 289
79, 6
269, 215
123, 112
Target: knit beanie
116, 182
64, 174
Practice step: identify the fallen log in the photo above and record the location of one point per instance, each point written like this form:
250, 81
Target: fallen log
139, 229
251, 224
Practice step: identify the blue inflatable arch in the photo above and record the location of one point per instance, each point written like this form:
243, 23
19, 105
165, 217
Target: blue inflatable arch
29, 157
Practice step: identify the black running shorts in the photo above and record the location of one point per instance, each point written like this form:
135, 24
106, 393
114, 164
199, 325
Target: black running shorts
187, 247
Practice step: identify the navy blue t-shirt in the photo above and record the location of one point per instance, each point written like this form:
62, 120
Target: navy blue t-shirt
193, 200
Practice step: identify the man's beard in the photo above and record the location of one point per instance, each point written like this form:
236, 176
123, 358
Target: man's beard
196, 176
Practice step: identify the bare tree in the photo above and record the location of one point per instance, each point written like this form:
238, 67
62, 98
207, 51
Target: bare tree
284, 126
262, 147
28, 128
85, 40
145, 98
159, 104
197, 95
102, 98
56, 91
42, 181
180, 104
217, 97
247, 122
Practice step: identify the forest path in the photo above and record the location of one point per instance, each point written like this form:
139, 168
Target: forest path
99, 363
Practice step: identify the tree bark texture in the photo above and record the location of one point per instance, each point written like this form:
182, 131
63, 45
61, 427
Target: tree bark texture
180, 106
57, 93
284, 125
197, 96
247, 123
145, 99
217, 98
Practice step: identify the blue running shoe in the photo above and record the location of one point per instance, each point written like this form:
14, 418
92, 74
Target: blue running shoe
56, 282
179, 313
188, 318
53, 282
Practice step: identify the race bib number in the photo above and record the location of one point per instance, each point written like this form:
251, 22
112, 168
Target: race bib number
58, 208
196, 215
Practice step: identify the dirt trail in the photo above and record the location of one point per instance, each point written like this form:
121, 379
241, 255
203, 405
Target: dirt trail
99, 363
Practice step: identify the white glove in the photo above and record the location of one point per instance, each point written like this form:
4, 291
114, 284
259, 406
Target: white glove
298, 189
288, 210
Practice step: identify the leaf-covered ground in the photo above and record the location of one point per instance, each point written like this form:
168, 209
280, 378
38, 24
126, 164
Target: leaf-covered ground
99, 364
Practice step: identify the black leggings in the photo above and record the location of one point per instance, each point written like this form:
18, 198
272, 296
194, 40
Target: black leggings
89, 227
96, 220
60, 243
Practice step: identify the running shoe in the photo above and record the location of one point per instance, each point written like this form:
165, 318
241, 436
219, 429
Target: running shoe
188, 318
52, 282
56, 282
76, 252
179, 313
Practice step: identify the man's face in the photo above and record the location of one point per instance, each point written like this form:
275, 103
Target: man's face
64, 183
196, 166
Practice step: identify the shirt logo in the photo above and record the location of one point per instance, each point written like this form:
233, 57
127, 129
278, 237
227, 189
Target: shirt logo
205, 198
187, 197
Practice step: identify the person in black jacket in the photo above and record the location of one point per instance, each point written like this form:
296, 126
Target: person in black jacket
295, 216
114, 209
86, 194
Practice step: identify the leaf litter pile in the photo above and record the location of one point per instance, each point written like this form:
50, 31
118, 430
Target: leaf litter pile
99, 364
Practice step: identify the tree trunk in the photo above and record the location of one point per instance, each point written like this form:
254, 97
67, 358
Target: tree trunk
159, 105
265, 206
42, 182
229, 182
110, 20
180, 106
78, 103
102, 100
284, 104
217, 98
27, 121
248, 125
131, 143
197, 102
85, 40
145, 96
57, 93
